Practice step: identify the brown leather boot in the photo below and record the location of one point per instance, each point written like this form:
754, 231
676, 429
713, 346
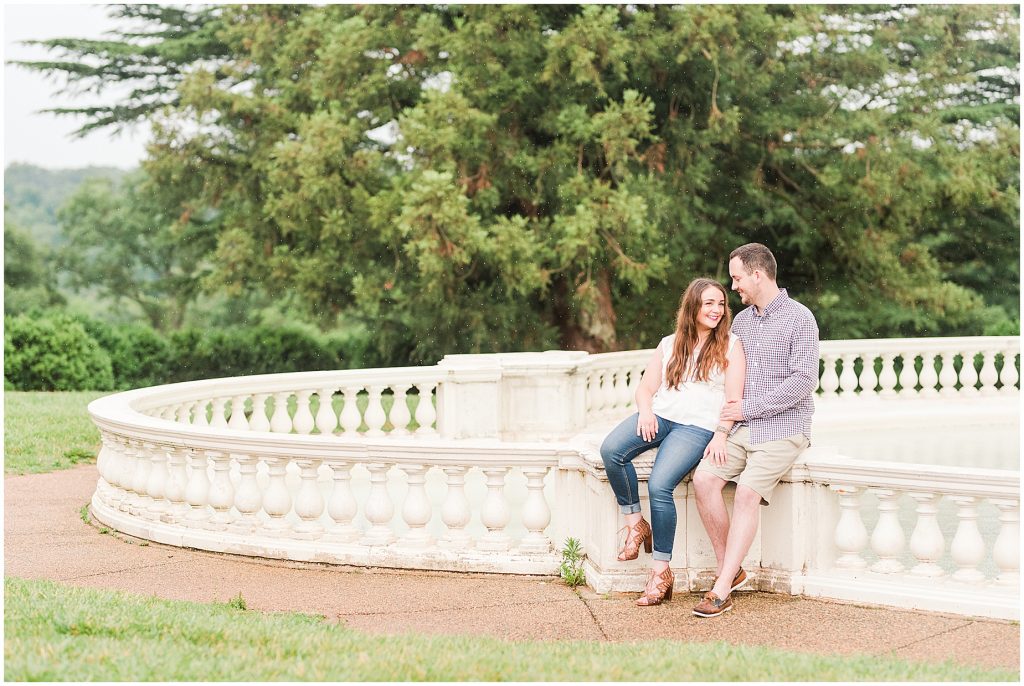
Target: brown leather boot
662, 588
635, 535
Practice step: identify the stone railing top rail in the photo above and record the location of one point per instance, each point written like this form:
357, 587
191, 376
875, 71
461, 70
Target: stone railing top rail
881, 346
825, 465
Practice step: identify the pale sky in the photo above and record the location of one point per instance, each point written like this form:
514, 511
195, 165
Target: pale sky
44, 139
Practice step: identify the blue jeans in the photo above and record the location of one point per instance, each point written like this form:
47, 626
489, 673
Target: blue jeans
682, 447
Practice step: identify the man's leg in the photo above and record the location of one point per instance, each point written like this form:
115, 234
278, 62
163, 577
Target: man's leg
745, 517
713, 513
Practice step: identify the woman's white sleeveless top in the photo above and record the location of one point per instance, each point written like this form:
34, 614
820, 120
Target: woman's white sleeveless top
698, 403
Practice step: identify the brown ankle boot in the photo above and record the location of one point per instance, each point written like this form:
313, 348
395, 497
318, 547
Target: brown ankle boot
662, 589
635, 535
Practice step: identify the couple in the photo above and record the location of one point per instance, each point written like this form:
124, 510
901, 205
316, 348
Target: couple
736, 404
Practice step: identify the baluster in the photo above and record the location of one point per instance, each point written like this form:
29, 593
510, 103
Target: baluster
326, 420
887, 540
425, 412
238, 420
375, 416
608, 390
926, 542
947, 375
222, 492
143, 466
199, 413
929, 377
1008, 375
129, 463
177, 481
218, 418
350, 417
156, 485
829, 381
258, 421
277, 501
248, 499
342, 506
184, 411
103, 466
850, 536
989, 376
303, 420
908, 375
378, 509
113, 471
416, 510
455, 511
848, 379
536, 513
887, 379
868, 378
399, 415
494, 513
280, 422
968, 548
1006, 552
167, 412
968, 374
593, 379
309, 503
634, 382
621, 388
197, 491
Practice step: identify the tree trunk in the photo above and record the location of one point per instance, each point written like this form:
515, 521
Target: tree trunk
585, 316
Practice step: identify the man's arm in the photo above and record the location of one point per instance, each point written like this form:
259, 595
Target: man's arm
801, 384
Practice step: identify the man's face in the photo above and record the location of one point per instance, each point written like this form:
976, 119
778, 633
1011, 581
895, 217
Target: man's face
743, 282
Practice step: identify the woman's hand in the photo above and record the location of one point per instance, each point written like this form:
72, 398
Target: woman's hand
716, 450
647, 426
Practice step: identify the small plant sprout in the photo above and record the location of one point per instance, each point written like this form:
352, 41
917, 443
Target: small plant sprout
571, 569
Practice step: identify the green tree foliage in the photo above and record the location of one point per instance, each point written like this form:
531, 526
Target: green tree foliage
136, 242
469, 178
53, 353
33, 195
28, 280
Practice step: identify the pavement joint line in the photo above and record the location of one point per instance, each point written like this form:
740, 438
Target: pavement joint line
931, 636
445, 609
597, 621
119, 571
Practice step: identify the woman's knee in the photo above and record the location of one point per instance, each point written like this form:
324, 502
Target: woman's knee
612, 453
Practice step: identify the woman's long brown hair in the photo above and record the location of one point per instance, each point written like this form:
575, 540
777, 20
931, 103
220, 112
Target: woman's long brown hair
713, 355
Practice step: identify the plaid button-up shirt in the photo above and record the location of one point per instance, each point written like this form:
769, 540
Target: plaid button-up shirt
781, 347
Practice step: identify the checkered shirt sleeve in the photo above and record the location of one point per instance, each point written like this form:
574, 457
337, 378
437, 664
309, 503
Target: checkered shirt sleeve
781, 347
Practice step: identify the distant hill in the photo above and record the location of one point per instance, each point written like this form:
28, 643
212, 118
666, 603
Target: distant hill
32, 196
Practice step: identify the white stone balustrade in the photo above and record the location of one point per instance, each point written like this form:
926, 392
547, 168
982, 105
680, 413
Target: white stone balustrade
479, 464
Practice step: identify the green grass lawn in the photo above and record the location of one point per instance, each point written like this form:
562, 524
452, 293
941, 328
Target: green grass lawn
48, 431
59, 633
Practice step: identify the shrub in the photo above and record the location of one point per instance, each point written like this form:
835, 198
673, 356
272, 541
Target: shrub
139, 356
53, 352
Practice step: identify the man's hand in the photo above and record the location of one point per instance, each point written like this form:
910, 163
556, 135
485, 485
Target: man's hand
647, 426
732, 411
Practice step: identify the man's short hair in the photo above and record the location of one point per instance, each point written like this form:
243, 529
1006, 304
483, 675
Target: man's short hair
755, 256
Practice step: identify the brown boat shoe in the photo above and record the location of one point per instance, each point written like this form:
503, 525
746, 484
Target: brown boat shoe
712, 606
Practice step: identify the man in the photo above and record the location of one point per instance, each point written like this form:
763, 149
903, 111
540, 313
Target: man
773, 421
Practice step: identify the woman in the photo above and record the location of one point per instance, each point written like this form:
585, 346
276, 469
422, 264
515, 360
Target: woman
690, 375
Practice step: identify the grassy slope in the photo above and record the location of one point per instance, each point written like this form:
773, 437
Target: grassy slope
59, 633
48, 431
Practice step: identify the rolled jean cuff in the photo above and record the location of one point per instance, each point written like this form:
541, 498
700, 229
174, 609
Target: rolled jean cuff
629, 509
658, 555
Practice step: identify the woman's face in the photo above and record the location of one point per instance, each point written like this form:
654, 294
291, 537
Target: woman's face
712, 308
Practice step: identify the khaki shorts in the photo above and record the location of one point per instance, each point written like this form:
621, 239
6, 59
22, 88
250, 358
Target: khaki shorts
759, 467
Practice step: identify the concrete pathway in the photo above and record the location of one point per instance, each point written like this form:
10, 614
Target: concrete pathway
46, 538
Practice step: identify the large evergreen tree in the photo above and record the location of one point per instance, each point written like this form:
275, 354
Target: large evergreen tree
505, 177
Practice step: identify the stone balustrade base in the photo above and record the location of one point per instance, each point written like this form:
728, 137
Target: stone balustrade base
322, 550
